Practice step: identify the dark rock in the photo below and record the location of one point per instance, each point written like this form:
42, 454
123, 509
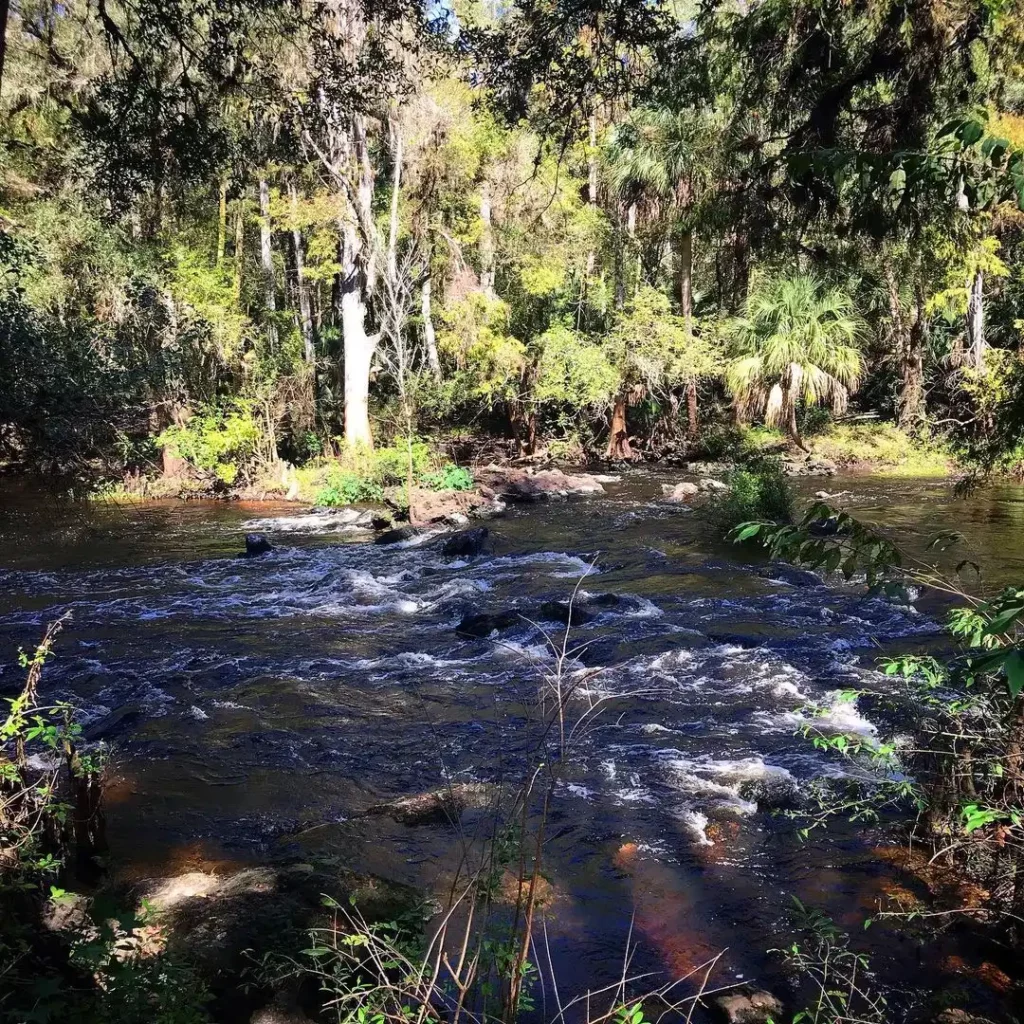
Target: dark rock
828, 528
437, 807
486, 623
466, 543
124, 719
561, 611
748, 1007
256, 544
397, 535
382, 521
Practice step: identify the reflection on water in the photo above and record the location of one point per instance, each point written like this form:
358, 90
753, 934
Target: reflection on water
251, 701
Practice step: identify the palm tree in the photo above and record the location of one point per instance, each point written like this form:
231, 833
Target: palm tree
798, 342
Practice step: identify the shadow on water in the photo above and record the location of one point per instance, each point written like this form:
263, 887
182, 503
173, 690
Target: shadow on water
259, 707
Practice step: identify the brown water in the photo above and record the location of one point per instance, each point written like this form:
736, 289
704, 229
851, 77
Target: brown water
257, 707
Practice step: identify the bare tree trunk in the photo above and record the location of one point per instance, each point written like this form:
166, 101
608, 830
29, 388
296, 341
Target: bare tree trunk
686, 279
267, 263
592, 183
301, 285
693, 424
976, 321
619, 259
222, 222
486, 241
618, 438
239, 249
5, 10
429, 337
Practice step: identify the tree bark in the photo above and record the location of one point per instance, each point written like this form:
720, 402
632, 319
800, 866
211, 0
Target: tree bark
301, 285
222, 221
686, 279
693, 425
239, 253
486, 241
976, 321
592, 183
267, 263
618, 438
5, 10
429, 337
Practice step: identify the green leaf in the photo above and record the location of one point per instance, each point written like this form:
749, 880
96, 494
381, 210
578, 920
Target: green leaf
1004, 619
1014, 669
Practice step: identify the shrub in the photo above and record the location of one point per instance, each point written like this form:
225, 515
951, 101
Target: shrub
224, 440
760, 493
344, 487
448, 478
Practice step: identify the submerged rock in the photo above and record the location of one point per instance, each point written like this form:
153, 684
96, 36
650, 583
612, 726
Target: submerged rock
485, 623
466, 543
709, 483
516, 484
575, 614
436, 807
397, 535
256, 544
748, 1007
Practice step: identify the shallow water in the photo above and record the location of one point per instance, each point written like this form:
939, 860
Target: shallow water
257, 707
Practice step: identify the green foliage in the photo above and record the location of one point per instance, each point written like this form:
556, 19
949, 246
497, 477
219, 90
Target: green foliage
573, 371
344, 487
760, 492
225, 440
448, 478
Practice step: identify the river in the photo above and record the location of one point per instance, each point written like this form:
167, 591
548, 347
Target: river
258, 706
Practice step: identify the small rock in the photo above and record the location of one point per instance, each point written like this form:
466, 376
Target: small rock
679, 492
710, 484
748, 1007
397, 535
382, 521
67, 914
607, 478
466, 543
256, 544
960, 1017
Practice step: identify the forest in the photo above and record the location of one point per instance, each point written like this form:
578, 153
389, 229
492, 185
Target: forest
247, 234
295, 295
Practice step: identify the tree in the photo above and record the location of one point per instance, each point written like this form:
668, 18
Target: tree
797, 343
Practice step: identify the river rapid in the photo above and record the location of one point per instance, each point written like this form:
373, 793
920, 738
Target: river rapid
257, 707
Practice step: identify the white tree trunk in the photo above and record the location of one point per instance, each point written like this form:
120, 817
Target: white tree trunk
429, 337
267, 261
976, 321
301, 285
359, 349
486, 241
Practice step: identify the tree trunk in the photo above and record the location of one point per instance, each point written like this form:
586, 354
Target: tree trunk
301, 285
239, 249
429, 337
976, 321
619, 258
791, 425
592, 183
693, 424
912, 402
222, 222
486, 241
359, 349
686, 279
267, 263
5, 10
618, 438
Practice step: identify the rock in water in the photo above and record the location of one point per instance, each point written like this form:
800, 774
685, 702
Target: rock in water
748, 1007
437, 807
466, 543
256, 544
484, 623
397, 535
563, 612
679, 492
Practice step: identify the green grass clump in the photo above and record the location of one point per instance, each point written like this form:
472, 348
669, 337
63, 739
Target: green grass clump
883, 446
755, 493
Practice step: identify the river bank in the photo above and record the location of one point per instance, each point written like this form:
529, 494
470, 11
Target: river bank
260, 707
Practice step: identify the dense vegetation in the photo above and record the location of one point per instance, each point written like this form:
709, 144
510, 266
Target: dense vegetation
254, 232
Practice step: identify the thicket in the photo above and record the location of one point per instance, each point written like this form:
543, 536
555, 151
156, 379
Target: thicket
706, 213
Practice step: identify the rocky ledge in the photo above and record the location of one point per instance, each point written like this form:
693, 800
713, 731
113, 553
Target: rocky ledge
515, 484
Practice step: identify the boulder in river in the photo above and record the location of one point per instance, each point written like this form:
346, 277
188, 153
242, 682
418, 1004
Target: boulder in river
256, 544
755, 1007
678, 493
436, 807
397, 535
516, 484
485, 623
710, 484
575, 614
452, 507
466, 543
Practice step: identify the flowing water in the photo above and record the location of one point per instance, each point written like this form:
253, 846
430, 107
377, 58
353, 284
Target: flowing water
258, 706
